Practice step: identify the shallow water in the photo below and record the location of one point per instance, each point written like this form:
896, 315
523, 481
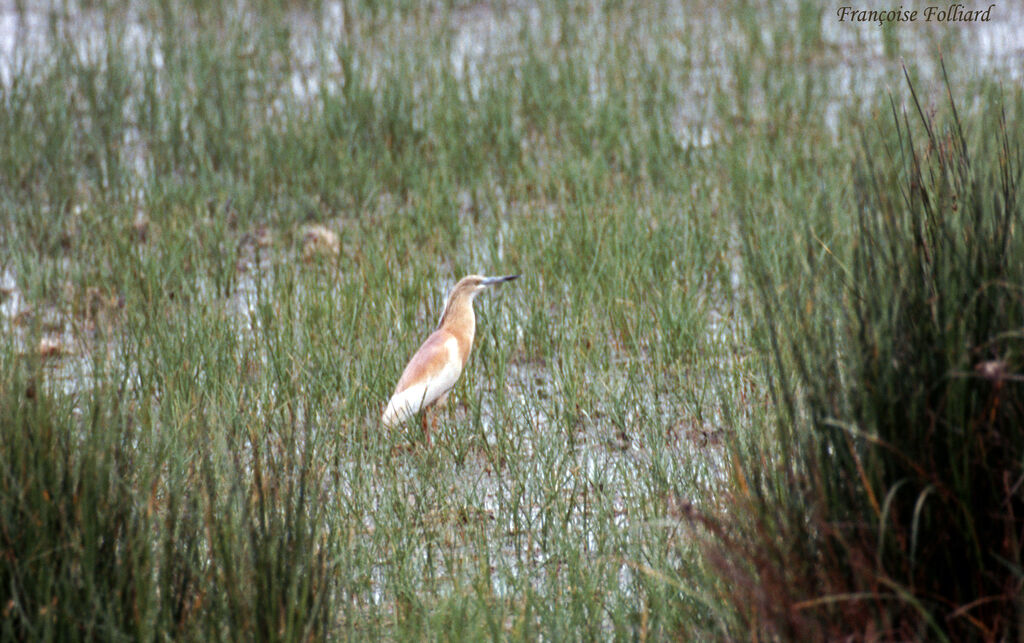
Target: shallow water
607, 449
852, 58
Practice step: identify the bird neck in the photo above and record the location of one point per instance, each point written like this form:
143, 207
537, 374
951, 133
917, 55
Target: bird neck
460, 320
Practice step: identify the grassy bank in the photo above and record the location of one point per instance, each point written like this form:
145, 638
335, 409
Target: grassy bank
190, 387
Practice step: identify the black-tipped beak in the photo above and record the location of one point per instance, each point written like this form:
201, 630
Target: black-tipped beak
490, 281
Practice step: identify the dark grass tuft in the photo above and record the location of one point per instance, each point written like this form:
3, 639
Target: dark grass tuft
897, 510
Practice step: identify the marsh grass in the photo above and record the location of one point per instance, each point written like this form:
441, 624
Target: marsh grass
895, 355
203, 458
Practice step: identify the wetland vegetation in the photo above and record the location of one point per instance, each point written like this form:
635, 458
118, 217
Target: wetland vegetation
762, 374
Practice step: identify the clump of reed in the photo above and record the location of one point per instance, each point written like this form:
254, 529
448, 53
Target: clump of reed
892, 504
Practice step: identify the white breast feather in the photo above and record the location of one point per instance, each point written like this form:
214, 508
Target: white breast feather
409, 402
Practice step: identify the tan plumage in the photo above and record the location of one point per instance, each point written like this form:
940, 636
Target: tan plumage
437, 365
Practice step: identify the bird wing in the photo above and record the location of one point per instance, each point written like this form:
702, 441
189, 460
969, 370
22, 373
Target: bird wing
431, 373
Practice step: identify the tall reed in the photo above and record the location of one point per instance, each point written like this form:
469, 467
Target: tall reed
897, 508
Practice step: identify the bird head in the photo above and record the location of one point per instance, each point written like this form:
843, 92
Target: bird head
462, 295
472, 285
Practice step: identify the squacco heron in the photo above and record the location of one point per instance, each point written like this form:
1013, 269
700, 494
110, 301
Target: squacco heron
437, 365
